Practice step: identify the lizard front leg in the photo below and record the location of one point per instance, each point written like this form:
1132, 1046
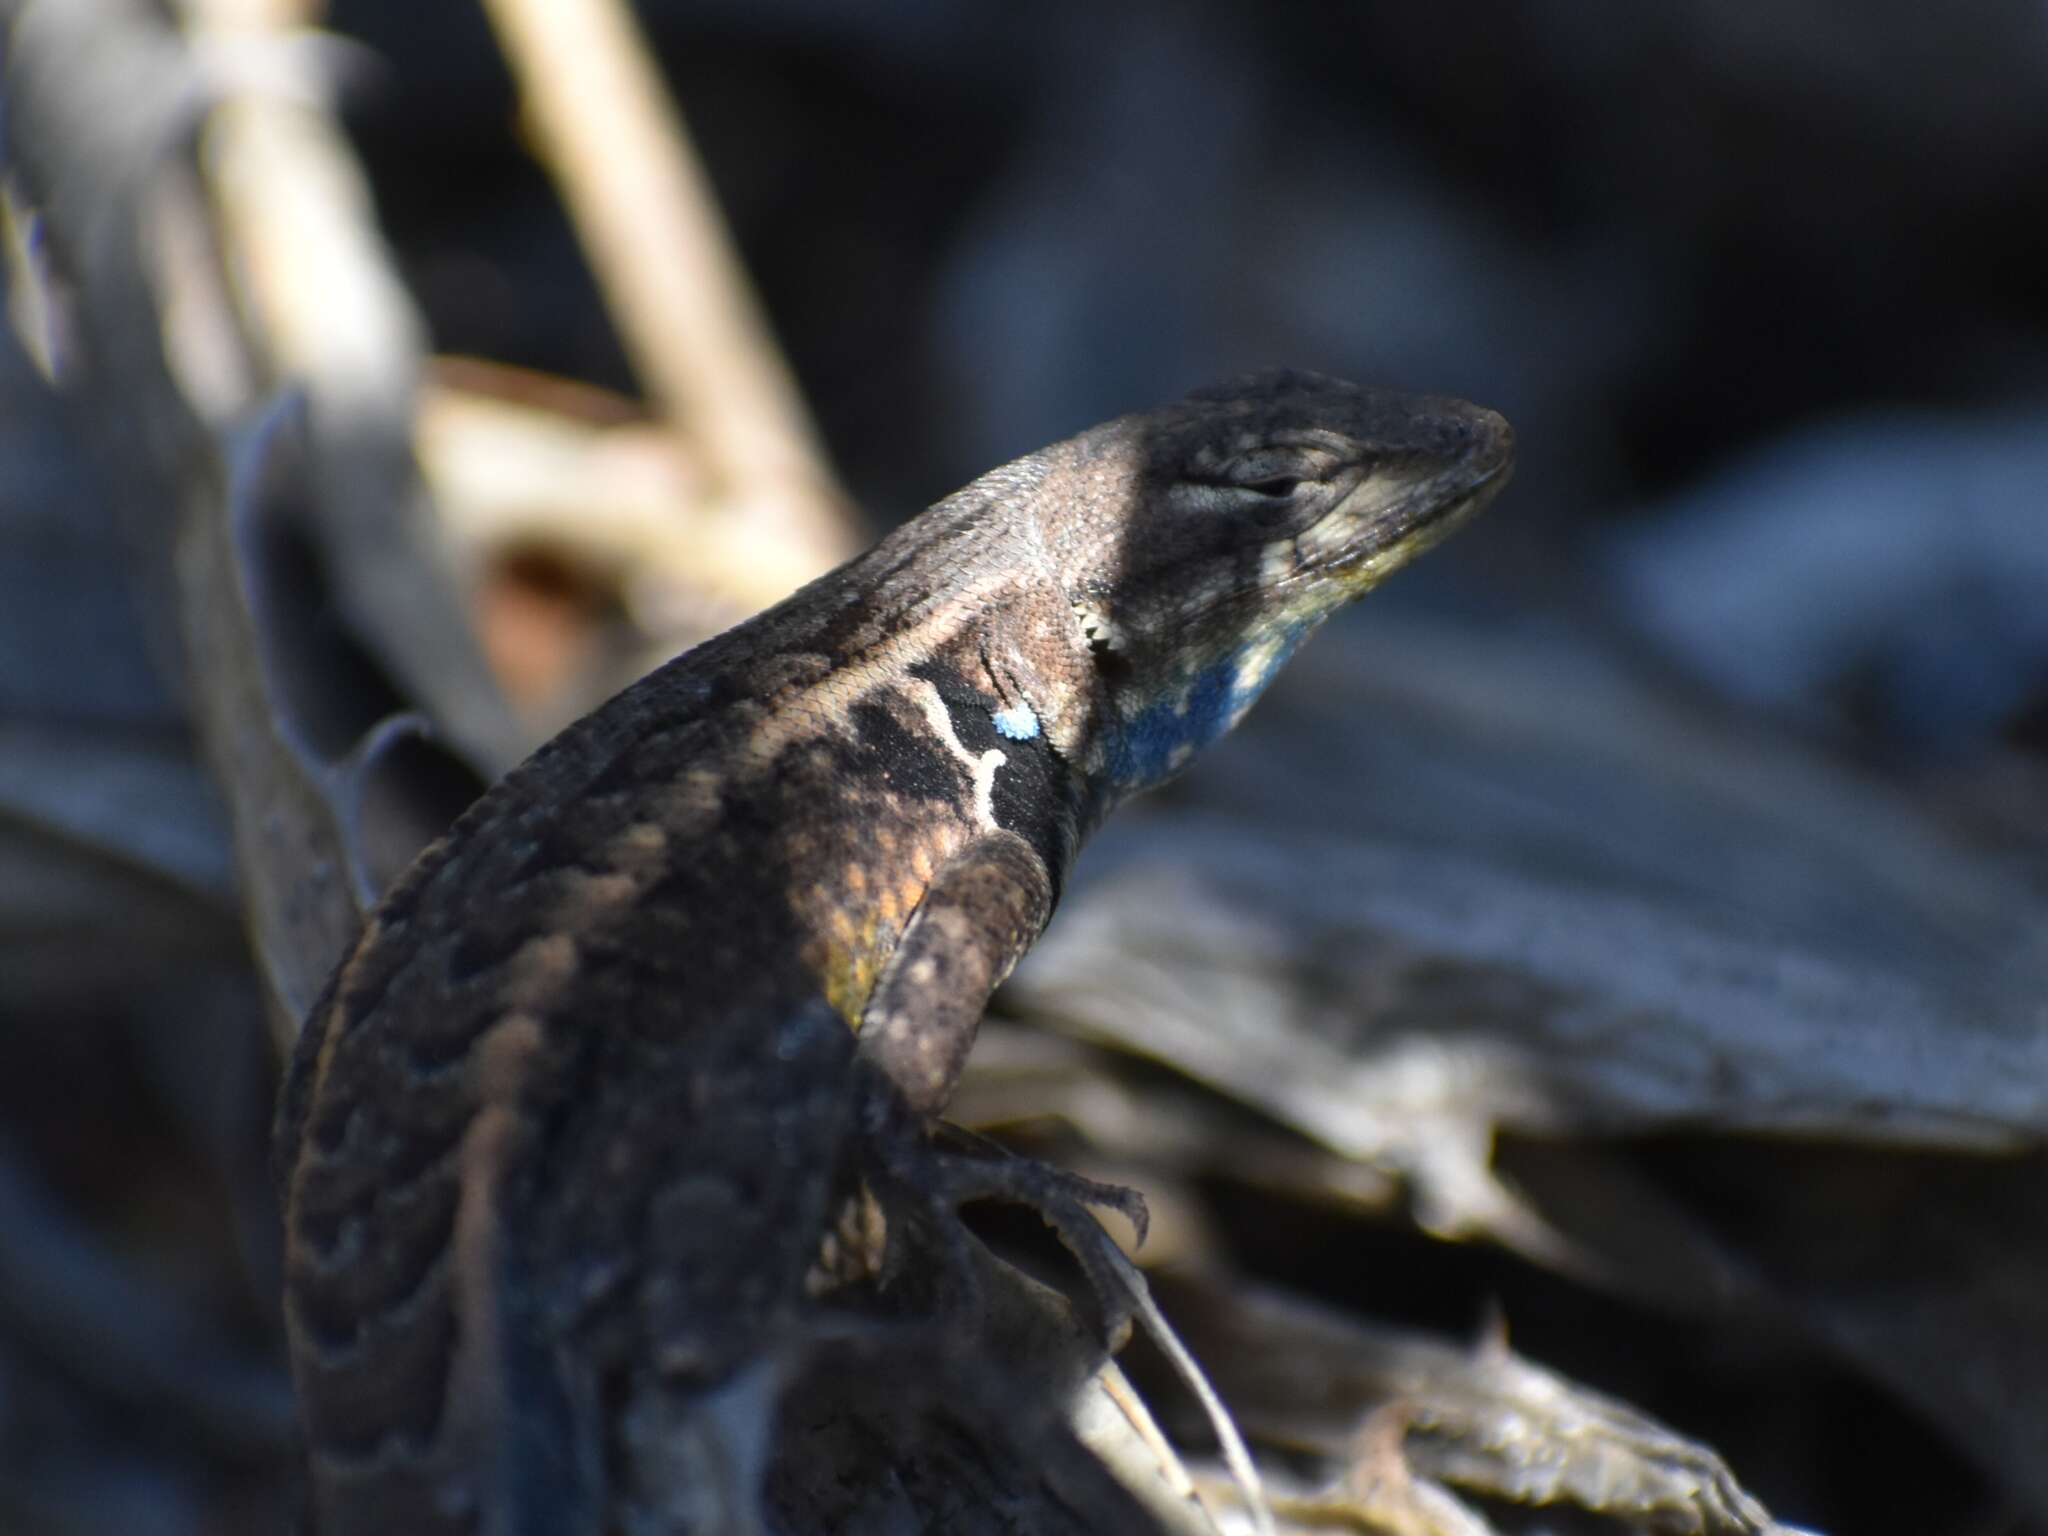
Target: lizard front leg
984, 908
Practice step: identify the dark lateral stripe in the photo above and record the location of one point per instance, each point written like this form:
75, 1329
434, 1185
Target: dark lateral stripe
911, 762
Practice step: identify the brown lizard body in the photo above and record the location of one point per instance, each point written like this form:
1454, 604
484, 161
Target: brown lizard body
562, 1136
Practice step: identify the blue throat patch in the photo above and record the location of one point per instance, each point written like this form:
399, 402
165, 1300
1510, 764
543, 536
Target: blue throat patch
1166, 735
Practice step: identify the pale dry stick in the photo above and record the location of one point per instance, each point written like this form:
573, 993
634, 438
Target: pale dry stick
322, 310
99, 97
522, 463
604, 127
146, 301
1237, 1459
278, 15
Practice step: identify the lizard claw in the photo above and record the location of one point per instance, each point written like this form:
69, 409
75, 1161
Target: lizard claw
1021, 1180
952, 1168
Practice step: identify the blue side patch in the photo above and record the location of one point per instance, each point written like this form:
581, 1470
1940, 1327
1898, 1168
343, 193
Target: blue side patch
1017, 722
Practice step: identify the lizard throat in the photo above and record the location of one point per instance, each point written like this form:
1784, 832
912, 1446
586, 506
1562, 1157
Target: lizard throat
1162, 736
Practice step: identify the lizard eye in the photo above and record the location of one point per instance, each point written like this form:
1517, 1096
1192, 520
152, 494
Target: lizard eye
1276, 470
1265, 483
1276, 485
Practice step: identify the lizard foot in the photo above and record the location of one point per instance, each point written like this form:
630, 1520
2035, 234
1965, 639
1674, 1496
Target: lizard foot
937, 1173
951, 1168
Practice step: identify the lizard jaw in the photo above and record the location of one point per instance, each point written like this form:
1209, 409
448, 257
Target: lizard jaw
1383, 524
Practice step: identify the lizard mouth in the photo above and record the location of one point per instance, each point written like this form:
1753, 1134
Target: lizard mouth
1381, 526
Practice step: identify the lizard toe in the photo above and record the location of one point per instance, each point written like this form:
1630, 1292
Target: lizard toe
955, 1168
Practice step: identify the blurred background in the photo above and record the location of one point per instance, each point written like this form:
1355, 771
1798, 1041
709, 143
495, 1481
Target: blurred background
1753, 652
1674, 247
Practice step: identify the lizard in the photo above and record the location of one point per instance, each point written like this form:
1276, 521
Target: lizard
561, 1138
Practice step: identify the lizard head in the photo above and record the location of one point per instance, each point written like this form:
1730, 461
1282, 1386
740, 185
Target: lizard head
1209, 538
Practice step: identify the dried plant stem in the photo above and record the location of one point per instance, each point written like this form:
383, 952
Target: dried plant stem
603, 125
